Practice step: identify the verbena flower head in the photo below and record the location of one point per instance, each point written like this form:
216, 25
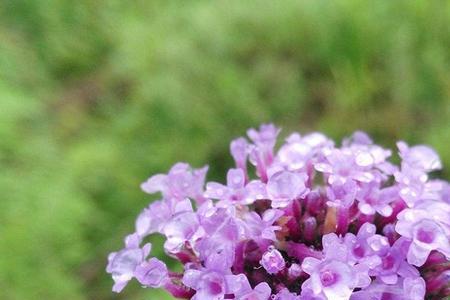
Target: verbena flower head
317, 221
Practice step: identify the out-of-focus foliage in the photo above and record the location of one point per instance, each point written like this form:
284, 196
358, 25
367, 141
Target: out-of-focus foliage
95, 96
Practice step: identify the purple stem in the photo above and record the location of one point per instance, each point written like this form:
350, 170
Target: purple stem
362, 218
390, 233
314, 203
397, 207
179, 290
434, 259
309, 229
294, 210
300, 251
436, 283
342, 220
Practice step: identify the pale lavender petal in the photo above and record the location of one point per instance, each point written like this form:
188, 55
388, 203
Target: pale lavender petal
239, 151
235, 178
152, 273
310, 264
156, 183
216, 190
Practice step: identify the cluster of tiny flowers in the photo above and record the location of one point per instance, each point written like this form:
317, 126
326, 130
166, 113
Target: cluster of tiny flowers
309, 221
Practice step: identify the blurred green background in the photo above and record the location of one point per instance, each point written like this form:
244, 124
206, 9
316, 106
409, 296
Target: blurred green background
95, 96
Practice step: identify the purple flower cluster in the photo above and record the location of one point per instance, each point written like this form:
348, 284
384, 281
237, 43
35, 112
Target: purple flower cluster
312, 221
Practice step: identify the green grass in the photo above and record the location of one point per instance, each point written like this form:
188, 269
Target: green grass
95, 96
